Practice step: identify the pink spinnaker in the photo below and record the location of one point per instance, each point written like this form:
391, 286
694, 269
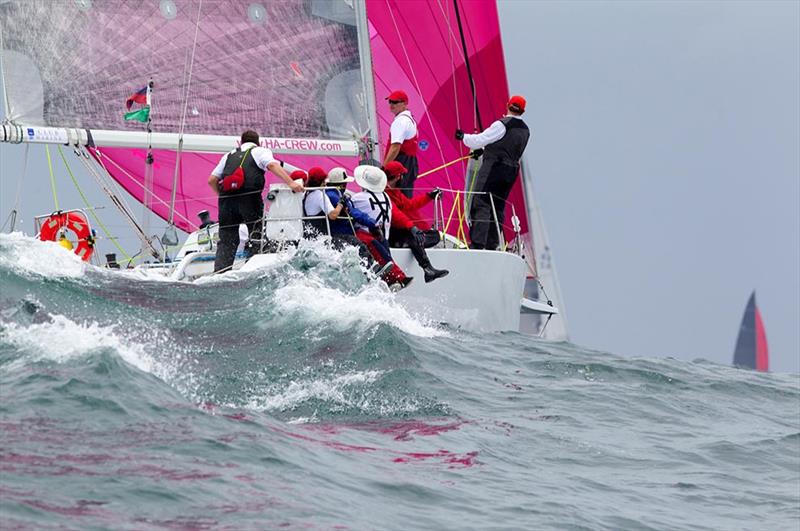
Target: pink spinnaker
419, 52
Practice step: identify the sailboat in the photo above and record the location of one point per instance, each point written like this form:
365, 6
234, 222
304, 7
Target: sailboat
310, 76
751, 349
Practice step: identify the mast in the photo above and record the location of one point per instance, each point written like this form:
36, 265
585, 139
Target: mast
373, 147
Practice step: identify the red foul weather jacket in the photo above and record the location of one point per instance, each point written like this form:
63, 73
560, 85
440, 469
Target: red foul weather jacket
405, 211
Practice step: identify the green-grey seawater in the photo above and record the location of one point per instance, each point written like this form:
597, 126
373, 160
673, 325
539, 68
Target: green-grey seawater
306, 398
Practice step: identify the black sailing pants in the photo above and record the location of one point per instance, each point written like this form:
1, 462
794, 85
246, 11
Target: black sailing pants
233, 210
407, 181
404, 238
497, 179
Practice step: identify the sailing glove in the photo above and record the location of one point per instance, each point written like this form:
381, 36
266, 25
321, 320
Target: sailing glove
459, 134
476, 153
433, 194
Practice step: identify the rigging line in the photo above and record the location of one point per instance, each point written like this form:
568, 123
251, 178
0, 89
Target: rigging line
148, 164
106, 187
12, 216
417, 87
541, 334
118, 202
135, 181
469, 68
109, 186
183, 118
6, 101
445, 165
452, 60
451, 38
52, 175
89, 206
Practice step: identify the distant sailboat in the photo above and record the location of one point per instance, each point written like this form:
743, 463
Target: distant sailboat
751, 345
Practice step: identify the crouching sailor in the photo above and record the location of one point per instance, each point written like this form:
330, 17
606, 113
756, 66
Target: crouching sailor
407, 222
317, 205
503, 143
238, 179
343, 227
375, 203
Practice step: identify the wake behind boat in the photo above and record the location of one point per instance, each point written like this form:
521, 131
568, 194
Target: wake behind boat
152, 119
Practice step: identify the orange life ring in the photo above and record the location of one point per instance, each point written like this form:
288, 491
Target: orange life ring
77, 223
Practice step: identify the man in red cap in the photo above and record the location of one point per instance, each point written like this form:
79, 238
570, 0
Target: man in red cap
407, 223
402, 144
299, 175
502, 145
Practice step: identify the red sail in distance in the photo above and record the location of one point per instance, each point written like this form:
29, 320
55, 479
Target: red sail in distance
751, 345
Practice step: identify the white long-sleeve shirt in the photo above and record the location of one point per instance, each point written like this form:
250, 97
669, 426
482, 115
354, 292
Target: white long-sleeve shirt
261, 155
493, 133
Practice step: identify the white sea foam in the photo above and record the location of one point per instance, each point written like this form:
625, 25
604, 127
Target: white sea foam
34, 258
62, 339
328, 389
371, 305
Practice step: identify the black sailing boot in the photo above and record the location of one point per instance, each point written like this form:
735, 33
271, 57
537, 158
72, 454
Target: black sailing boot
432, 273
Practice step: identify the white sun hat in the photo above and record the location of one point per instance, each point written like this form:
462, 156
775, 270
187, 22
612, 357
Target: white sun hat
370, 178
338, 175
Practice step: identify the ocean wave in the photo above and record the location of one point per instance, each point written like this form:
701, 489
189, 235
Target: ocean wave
61, 340
33, 258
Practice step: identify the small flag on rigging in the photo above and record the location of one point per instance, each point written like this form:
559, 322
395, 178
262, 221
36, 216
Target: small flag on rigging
141, 96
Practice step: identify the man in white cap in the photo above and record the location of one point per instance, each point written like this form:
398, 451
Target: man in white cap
502, 145
375, 203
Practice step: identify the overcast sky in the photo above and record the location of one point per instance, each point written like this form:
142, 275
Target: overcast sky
665, 157
666, 160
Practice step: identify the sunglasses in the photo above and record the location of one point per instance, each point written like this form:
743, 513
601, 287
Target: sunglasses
395, 102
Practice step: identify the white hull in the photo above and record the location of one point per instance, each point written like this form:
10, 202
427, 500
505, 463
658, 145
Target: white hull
482, 293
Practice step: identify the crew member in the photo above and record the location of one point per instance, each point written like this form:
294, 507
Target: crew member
238, 179
502, 143
402, 144
299, 175
343, 227
316, 204
375, 203
407, 222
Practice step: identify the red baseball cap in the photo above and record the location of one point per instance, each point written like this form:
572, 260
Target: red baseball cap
316, 175
398, 95
517, 103
394, 168
299, 174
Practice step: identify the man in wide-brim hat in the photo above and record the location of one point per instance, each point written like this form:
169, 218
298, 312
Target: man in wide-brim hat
375, 203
